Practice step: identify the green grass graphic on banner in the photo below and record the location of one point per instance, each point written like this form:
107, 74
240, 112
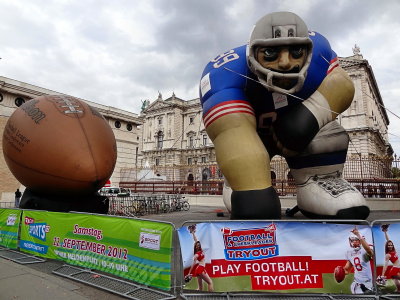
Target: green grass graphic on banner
138, 250
9, 225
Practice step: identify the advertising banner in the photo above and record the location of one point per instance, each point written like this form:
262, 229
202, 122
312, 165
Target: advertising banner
284, 257
138, 250
387, 241
9, 226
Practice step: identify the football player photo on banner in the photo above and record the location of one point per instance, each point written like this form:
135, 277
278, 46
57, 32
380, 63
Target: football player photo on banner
387, 241
278, 257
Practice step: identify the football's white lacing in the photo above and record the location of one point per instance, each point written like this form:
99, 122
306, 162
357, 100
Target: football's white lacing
332, 184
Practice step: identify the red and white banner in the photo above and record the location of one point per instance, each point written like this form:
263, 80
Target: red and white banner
277, 257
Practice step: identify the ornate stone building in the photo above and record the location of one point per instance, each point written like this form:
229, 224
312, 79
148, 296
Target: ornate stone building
168, 140
125, 125
175, 141
366, 120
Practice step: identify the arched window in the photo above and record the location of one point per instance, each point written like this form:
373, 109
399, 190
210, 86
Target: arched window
206, 174
191, 141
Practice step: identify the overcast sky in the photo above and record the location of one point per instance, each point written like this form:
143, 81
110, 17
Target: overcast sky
121, 52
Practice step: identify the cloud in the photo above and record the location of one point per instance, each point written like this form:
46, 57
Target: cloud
121, 52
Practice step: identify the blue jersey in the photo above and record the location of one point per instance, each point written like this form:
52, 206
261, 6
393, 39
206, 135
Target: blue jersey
228, 86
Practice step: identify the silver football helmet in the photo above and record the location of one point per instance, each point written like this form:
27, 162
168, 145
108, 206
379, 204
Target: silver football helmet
274, 30
354, 242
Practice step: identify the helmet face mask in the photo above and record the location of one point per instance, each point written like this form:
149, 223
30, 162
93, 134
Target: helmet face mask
274, 32
283, 64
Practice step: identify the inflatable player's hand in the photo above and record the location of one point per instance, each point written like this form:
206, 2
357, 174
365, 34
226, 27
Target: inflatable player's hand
255, 204
294, 129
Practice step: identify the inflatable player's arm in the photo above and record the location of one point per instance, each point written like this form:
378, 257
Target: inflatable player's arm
230, 122
241, 155
328, 89
332, 97
243, 160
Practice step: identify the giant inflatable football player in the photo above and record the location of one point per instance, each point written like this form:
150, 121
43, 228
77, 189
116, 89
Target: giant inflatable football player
280, 94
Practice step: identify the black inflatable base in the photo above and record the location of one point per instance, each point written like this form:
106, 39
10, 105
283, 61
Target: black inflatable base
83, 203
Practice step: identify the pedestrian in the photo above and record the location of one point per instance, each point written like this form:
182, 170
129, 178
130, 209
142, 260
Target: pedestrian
18, 195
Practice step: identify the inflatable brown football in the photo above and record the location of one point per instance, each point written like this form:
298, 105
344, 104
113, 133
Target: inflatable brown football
59, 144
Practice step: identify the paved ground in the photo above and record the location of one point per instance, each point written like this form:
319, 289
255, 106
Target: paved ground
35, 281
207, 213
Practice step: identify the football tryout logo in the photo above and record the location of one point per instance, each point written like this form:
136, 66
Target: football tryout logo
250, 244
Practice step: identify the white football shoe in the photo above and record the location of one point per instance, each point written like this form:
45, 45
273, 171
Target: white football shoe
328, 195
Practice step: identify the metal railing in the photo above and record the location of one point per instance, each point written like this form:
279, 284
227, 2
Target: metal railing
146, 204
370, 188
213, 187
7, 204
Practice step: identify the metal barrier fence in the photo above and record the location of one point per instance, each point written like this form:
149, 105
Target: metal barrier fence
7, 204
373, 176
356, 166
213, 187
177, 282
145, 204
370, 188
